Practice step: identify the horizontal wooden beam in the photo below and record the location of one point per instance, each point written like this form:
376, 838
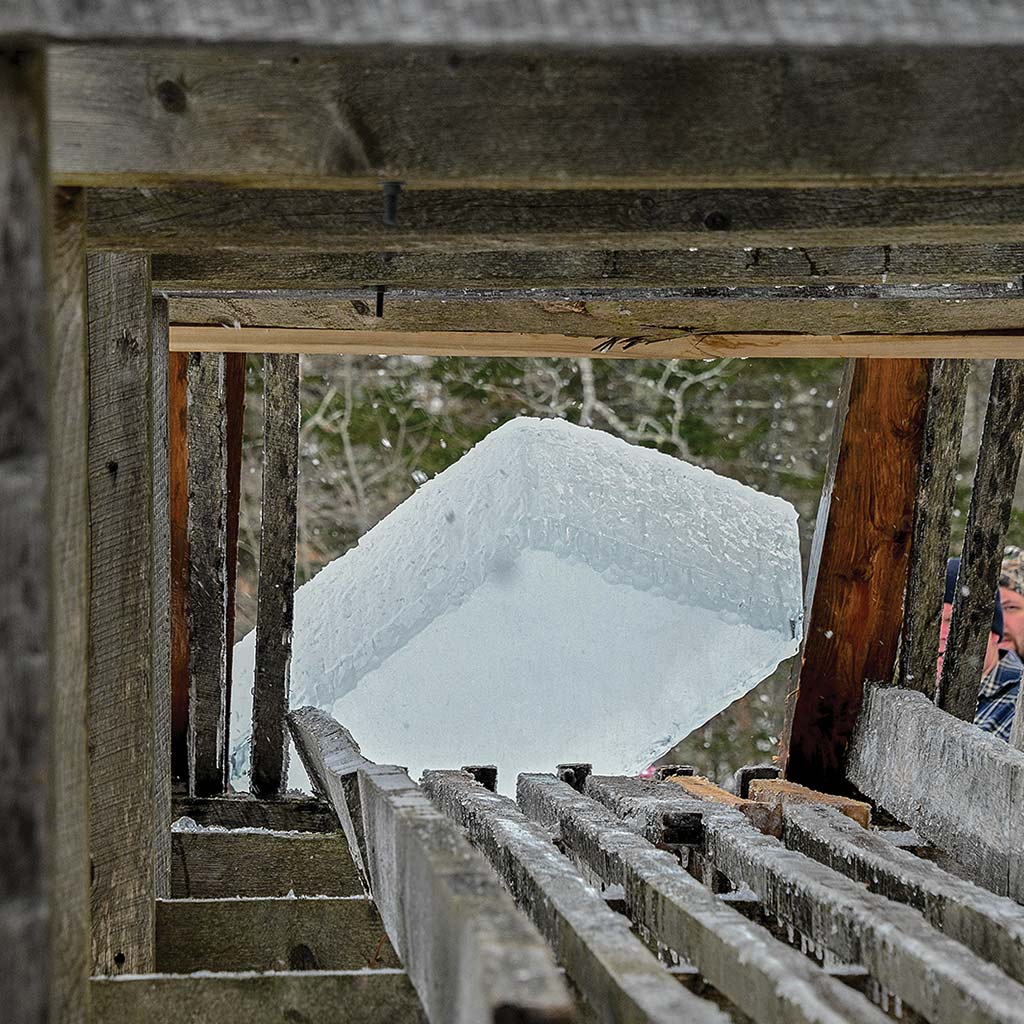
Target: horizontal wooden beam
467, 343
546, 118
958, 787
240, 810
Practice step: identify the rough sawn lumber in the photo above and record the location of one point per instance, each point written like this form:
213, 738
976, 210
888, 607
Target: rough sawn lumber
289, 813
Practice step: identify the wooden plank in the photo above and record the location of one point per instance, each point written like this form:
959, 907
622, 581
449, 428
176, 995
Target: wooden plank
302, 934
278, 535
764, 978
933, 509
764, 817
240, 810
218, 864
161, 513
936, 976
177, 422
993, 926
547, 118
620, 978
782, 793
470, 954
949, 781
207, 574
332, 997
988, 517
857, 574
121, 697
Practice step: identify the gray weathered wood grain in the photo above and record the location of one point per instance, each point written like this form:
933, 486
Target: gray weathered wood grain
620, 978
761, 976
550, 119
207, 574
121, 699
952, 783
290, 813
216, 865
988, 517
301, 934
275, 602
333, 997
933, 508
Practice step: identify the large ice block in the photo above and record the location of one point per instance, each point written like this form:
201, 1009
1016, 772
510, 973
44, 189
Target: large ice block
556, 595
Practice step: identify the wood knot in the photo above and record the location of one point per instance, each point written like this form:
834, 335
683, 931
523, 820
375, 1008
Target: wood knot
172, 96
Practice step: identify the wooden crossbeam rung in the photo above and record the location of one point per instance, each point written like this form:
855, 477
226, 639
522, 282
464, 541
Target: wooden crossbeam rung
782, 793
938, 977
618, 975
993, 926
240, 810
763, 978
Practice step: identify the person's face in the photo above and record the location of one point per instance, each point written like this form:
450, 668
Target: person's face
1013, 618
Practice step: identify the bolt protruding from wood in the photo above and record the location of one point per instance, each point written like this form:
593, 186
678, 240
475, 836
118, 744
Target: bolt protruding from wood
745, 775
485, 774
574, 774
392, 190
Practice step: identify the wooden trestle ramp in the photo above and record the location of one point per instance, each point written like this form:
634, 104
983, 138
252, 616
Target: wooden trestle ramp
641, 180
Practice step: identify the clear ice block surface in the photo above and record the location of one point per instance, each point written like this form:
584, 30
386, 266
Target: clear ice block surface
556, 595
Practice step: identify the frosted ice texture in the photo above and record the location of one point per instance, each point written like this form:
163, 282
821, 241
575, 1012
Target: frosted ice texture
556, 595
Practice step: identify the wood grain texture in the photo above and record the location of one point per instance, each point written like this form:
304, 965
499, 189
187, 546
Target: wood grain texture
278, 534
786, 794
241, 810
933, 509
121, 698
988, 517
220, 865
857, 574
379, 997
207, 574
764, 817
69, 511
161, 629
620, 978
955, 785
549, 119
177, 422
305, 933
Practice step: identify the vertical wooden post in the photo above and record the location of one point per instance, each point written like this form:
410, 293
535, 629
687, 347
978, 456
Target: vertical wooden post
121, 696
207, 577
857, 576
177, 422
933, 509
277, 574
987, 520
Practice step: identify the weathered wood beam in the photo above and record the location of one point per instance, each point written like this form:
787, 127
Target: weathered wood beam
370, 997
939, 978
207, 574
121, 594
542, 118
988, 518
784, 794
216, 865
933, 510
958, 787
763, 816
278, 535
858, 566
993, 926
620, 978
241, 810
306, 933
761, 976
470, 954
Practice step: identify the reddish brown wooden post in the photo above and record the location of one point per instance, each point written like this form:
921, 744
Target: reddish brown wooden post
177, 419
858, 571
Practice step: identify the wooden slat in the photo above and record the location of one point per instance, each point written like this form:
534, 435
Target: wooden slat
764, 978
240, 810
335, 997
207, 574
620, 978
857, 573
942, 980
988, 517
544, 118
764, 817
177, 421
302, 934
993, 926
216, 865
783, 793
470, 955
933, 509
278, 534
121, 698
956, 786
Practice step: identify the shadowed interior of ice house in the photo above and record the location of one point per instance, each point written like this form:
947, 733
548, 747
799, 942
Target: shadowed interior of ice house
556, 595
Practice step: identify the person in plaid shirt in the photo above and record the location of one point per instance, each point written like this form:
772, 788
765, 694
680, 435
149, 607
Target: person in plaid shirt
1003, 671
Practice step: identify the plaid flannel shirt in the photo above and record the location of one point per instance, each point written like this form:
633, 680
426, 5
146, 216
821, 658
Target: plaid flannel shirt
997, 698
